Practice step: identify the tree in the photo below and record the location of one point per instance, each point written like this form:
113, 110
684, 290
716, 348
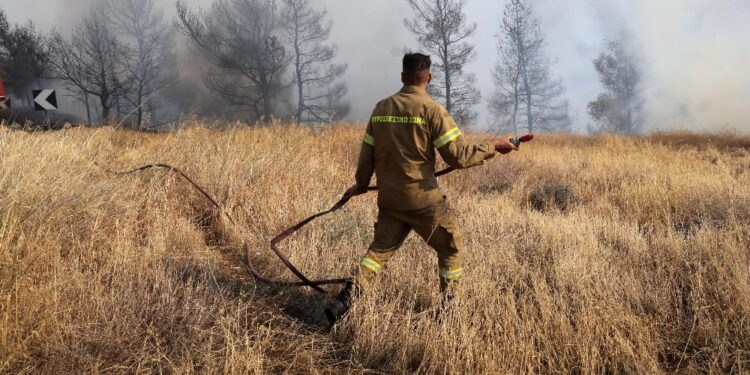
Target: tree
24, 55
522, 75
319, 98
619, 108
442, 30
91, 63
147, 39
240, 38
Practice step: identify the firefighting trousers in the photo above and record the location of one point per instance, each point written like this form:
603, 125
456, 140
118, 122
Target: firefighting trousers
436, 224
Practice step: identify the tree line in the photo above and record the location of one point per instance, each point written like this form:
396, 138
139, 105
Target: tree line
265, 59
262, 59
526, 95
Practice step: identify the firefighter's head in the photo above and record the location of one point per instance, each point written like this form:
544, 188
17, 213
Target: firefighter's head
416, 69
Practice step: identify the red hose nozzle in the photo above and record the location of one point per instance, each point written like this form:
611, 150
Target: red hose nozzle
518, 140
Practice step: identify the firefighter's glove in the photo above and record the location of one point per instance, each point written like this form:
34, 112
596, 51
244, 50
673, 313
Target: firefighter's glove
504, 145
355, 190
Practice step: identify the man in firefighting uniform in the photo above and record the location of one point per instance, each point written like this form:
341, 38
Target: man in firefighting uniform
403, 136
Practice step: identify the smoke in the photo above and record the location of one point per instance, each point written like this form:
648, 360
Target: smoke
695, 57
371, 38
695, 53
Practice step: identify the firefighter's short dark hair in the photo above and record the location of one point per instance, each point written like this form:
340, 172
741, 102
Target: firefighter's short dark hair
416, 61
416, 68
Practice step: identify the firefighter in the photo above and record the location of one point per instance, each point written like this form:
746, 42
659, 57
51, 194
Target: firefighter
403, 136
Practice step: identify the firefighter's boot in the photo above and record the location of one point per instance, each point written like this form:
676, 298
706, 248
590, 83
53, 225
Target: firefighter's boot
336, 308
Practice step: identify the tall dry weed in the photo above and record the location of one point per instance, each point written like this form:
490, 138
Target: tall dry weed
646, 271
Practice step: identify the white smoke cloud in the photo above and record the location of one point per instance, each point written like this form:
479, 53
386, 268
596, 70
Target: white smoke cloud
695, 56
371, 38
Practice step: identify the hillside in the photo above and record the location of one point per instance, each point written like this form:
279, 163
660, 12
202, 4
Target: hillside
600, 254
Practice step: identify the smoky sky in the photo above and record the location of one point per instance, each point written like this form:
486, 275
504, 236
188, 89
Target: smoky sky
695, 54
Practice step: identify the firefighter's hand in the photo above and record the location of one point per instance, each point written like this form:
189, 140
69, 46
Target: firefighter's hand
352, 191
504, 146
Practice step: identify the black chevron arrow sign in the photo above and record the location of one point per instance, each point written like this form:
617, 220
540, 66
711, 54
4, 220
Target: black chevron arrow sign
45, 100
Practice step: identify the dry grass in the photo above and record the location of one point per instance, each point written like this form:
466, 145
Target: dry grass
647, 271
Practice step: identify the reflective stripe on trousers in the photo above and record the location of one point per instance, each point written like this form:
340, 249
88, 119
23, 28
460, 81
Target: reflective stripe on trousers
451, 274
371, 265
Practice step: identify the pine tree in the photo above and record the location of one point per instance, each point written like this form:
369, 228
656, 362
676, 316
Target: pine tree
524, 87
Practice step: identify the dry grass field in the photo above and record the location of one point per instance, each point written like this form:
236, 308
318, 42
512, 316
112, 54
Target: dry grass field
585, 255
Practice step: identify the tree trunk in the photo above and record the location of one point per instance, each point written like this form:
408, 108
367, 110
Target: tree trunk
300, 89
515, 112
88, 108
139, 119
267, 108
298, 70
445, 56
448, 104
105, 108
105, 115
118, 110
139, 110
529, 119
629, 124
300, 101
528, 112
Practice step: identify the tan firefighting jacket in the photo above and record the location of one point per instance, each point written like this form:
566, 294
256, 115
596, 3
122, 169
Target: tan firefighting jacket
399, 147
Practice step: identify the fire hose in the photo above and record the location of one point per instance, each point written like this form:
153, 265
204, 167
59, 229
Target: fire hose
304, 280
